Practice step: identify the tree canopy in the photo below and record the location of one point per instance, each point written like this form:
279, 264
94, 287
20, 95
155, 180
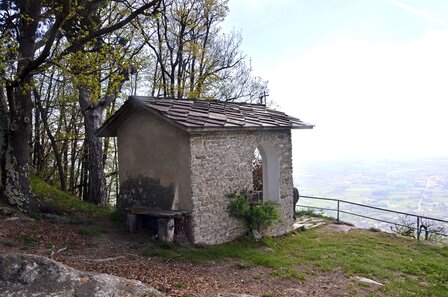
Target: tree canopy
66, 65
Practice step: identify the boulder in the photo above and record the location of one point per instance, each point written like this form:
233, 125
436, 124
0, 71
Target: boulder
32, 275
6, 211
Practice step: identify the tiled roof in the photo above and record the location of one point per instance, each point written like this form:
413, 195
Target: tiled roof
209, 115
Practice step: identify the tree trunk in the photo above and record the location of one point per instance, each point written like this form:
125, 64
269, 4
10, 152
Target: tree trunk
4, 128
92, 120
75, 155
37, 151
57, 154
83, 189
16, 187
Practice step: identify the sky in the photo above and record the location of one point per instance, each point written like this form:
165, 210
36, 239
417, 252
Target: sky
371, 75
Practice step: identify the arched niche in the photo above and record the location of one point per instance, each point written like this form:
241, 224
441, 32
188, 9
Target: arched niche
271, 172
257, 172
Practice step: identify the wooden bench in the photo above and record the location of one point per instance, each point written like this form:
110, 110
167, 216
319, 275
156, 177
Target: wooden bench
165, 220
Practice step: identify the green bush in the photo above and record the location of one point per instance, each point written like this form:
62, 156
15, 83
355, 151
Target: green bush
257, 215
263, 213
239, 203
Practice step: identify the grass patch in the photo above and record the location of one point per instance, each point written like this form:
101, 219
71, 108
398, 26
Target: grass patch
9, 243
313, 213
88, 231
30, 241
180, 286
405, 266
64, 203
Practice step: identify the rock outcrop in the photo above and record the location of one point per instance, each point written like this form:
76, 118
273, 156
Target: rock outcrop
32, 275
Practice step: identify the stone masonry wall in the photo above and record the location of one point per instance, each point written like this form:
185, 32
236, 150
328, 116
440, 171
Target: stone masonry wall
221, 162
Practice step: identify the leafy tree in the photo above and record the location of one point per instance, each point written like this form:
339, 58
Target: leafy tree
64, 64
32, 40
193, 58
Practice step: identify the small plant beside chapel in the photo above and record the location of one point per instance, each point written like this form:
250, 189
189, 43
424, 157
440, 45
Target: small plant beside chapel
257, 214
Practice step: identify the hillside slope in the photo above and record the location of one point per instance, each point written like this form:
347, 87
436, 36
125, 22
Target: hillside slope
323, 262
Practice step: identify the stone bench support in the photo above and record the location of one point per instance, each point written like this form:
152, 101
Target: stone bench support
165, 229
131, 221
165, 220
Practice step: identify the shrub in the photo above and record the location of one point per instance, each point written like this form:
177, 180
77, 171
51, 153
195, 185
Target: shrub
239, 203
258, 214
263, 213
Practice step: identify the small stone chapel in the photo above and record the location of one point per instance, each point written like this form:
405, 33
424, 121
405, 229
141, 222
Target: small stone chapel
182, 157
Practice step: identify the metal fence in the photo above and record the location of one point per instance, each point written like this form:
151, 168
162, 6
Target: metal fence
419, 227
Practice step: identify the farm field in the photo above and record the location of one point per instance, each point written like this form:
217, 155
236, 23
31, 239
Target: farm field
418, 186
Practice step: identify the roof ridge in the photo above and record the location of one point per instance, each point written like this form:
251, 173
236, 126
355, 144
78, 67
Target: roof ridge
193, 100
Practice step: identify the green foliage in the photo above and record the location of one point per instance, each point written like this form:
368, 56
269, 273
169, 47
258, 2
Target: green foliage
34, 215
63, 202
87, 231
263, 213
30, 240
257, 215
115, 216
239, 205
165, 245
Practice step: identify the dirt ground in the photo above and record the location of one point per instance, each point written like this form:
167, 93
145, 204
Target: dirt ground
116, 252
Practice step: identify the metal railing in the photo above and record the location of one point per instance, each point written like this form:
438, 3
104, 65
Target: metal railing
419, 226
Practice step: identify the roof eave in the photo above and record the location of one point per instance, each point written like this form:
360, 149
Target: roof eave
303, 127
251, 128
110, 126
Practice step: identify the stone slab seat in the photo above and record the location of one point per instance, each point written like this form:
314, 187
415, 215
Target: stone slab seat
165, 220
159, 213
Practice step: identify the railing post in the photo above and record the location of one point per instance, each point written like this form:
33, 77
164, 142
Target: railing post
418, 228
337, 219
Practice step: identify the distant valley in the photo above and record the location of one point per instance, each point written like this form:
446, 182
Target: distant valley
418, 186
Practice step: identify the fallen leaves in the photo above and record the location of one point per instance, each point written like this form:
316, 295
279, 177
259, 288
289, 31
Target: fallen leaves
115, 252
